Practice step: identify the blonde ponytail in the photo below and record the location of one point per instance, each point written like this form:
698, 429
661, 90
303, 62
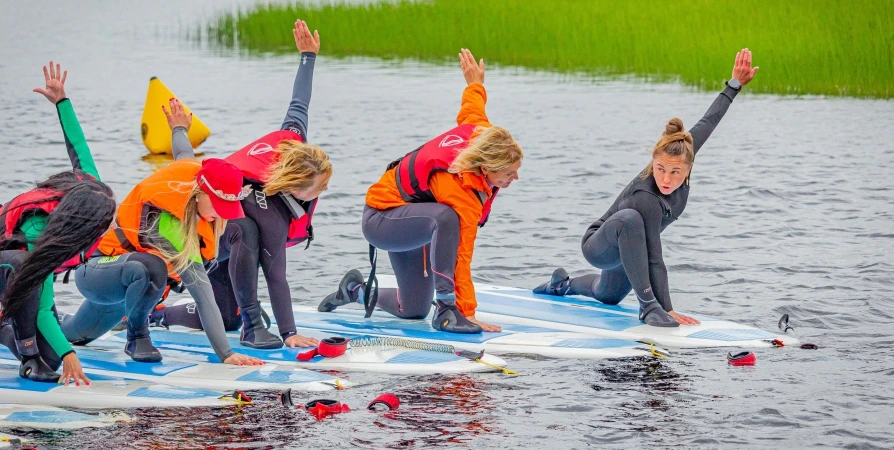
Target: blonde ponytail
494, 148
297, 166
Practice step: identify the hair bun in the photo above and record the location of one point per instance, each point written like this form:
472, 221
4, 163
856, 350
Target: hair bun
674, 125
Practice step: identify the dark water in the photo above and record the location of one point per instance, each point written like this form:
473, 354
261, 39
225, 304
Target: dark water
791, 212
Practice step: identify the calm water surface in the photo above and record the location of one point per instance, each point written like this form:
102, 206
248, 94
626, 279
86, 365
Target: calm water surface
792, 211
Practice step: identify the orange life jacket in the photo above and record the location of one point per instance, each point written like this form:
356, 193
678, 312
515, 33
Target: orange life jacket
161, 191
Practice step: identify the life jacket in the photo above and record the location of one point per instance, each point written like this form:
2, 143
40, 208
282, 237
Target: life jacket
254, 160
159, 190
416, 168
28, 204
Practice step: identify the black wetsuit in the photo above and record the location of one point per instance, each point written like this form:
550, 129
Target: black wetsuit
637, 218
266, 223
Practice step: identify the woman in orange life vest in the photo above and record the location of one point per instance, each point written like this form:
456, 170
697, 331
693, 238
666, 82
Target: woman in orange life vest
45, 230
169, 224
426, 210
287, 176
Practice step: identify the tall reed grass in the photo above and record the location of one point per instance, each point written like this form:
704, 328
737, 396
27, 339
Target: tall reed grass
828, 47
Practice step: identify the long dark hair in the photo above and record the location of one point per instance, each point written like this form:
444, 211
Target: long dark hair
85, 210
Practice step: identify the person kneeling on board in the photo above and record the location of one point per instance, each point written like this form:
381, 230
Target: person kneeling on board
425, 211
169, 225
49, 230
287, 176
626, 241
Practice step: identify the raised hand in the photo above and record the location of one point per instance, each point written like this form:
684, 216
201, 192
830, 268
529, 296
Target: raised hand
55, 79
177, 117
304, 40
474, 72
742, 70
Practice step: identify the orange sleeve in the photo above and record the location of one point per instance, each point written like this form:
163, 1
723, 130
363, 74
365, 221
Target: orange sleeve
447, 189
471, 110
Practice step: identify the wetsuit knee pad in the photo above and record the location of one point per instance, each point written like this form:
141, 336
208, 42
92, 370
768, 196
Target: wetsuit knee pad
447, 219
152, 267
232, 322
631, 219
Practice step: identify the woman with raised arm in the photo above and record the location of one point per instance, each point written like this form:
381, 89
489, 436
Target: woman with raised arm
626, 241
48, 230
425, 212
287, 176
168, 226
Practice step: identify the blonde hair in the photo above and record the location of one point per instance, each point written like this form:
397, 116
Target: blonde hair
296, 168
675, 141
494, 148
189, 229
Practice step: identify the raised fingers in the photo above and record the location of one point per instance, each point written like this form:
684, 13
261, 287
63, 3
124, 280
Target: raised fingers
46, 74
747, 58
52, 72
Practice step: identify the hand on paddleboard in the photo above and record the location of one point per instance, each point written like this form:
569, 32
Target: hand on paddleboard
474, 72
72, 371
304, 40
55, 79
237, 359
484, 326
177, 116
742, 70
296, 340
684, 320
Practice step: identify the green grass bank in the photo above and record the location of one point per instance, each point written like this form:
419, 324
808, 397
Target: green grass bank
823, 47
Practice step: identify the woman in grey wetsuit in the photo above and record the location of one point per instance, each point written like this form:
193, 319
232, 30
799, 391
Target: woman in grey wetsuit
626, 241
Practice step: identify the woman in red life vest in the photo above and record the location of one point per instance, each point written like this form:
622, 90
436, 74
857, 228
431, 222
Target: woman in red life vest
626, 241
45, 230
426, 210
167, 226
287, 176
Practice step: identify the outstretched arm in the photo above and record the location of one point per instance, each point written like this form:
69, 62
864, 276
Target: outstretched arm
179, 122
297, 114
743, 73
471, 109
75, 142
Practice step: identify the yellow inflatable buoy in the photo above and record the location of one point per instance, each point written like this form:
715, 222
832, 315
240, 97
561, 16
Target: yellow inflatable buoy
154, 129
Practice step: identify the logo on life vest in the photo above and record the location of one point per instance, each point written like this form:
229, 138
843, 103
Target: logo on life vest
450, 140
260, 149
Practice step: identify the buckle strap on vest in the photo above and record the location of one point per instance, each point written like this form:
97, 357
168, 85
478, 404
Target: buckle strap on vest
371, 292
122, 238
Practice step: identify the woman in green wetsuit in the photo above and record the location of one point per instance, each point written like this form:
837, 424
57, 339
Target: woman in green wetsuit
42, 231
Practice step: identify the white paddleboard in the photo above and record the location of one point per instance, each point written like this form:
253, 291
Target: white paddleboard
184, 369
50, 418
103, 392
380, 359
348, 321
583, 315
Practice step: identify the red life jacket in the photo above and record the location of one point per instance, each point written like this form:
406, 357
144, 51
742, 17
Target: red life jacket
415, 168
37, 201
255, 159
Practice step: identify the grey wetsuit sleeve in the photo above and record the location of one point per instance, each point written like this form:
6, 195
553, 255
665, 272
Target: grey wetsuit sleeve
195, 278
703, 129
180, 145
650, 208
296, 117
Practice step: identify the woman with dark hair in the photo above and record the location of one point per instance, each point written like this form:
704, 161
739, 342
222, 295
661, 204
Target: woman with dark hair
44, 231
626, 242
